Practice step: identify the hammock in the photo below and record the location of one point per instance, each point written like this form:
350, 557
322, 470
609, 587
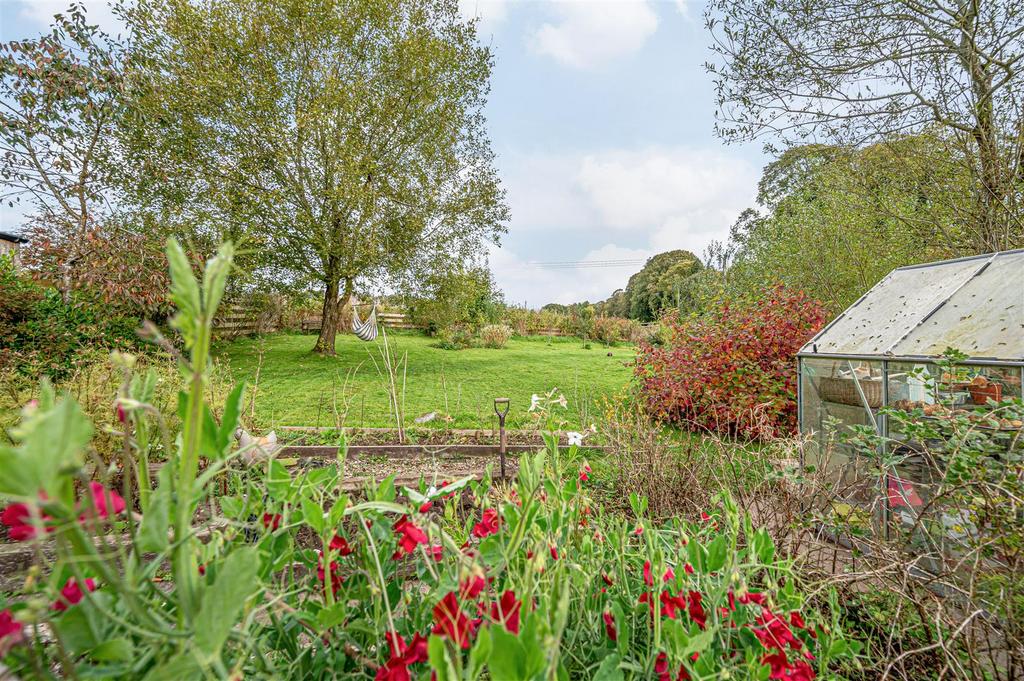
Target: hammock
367, 330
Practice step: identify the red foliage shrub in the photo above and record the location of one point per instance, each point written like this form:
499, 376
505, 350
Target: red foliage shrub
732, 370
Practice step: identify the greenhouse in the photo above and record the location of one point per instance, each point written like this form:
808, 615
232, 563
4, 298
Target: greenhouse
887, 350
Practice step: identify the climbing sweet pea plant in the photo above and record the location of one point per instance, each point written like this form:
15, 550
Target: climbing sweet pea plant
217, 569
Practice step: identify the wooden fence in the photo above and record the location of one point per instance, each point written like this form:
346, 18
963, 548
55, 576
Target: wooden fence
237, 319
392, 320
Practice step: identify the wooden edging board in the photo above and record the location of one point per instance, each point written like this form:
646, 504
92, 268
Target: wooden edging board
405, 451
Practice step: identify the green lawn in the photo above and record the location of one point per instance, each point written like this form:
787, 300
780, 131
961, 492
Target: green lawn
297, 387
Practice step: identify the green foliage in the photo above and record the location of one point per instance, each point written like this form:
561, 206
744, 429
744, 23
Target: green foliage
664, 283
351, 132
836, 220
42, 334
462, 297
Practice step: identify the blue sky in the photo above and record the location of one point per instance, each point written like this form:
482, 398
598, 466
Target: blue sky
601, 115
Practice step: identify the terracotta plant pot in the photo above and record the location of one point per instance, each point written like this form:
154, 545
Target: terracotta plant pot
980, 394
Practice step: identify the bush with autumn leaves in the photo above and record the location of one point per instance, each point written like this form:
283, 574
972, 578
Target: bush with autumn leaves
731, 371
225, 571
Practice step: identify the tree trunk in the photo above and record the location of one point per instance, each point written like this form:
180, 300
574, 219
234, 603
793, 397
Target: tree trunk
329, 318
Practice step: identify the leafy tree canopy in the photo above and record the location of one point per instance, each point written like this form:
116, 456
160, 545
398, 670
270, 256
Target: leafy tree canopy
345, 140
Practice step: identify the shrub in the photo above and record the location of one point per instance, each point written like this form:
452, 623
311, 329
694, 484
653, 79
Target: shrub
495, 335
455, 338
611, 330
731, 371
41, 333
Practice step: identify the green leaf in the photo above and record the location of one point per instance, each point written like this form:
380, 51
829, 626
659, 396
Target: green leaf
76, 631
156, 520
232, 412
313, 515
480, 653
334, 615
180, 667
215, 278
609, 669
382, 506
717, 553
225, 599
184, 292
232, 507
114, 650
279, 481
763, 547
440, 661
508, 657
54, 440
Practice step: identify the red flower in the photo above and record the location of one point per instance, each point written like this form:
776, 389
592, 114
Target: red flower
585, 473
609, 626
669, 604
272, 521
669, 575
688, 569
797, 620
554, 552
396, 668
696, 610
450, 621
639, 530
435, 552
410, 536
488, 524
11, 632
471, 588
18, 520
426, 506
336, 577
506, 611
648, 577
661, 667
752, 597
341, 545
202, 570
776, 633
100, 497
704, 516
607, 580
71, 594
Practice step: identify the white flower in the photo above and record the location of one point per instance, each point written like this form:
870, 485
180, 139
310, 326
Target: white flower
562, 401
534, 402
574, 438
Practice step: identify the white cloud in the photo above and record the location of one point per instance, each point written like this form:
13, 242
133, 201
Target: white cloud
522, 281
491, 14
682, 198
620, 205
586, 35
684, 9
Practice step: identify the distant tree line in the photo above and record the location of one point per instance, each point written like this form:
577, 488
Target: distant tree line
674, 280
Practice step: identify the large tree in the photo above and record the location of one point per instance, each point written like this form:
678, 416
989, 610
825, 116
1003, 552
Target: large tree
855, 72
62, 95
345, 138
661, 284
833, 221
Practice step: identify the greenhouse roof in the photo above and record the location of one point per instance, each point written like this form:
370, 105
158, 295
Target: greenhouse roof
975, 305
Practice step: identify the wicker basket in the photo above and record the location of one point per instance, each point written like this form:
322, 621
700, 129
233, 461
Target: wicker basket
844, 391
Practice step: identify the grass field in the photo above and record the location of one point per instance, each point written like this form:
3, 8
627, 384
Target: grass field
297, 387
